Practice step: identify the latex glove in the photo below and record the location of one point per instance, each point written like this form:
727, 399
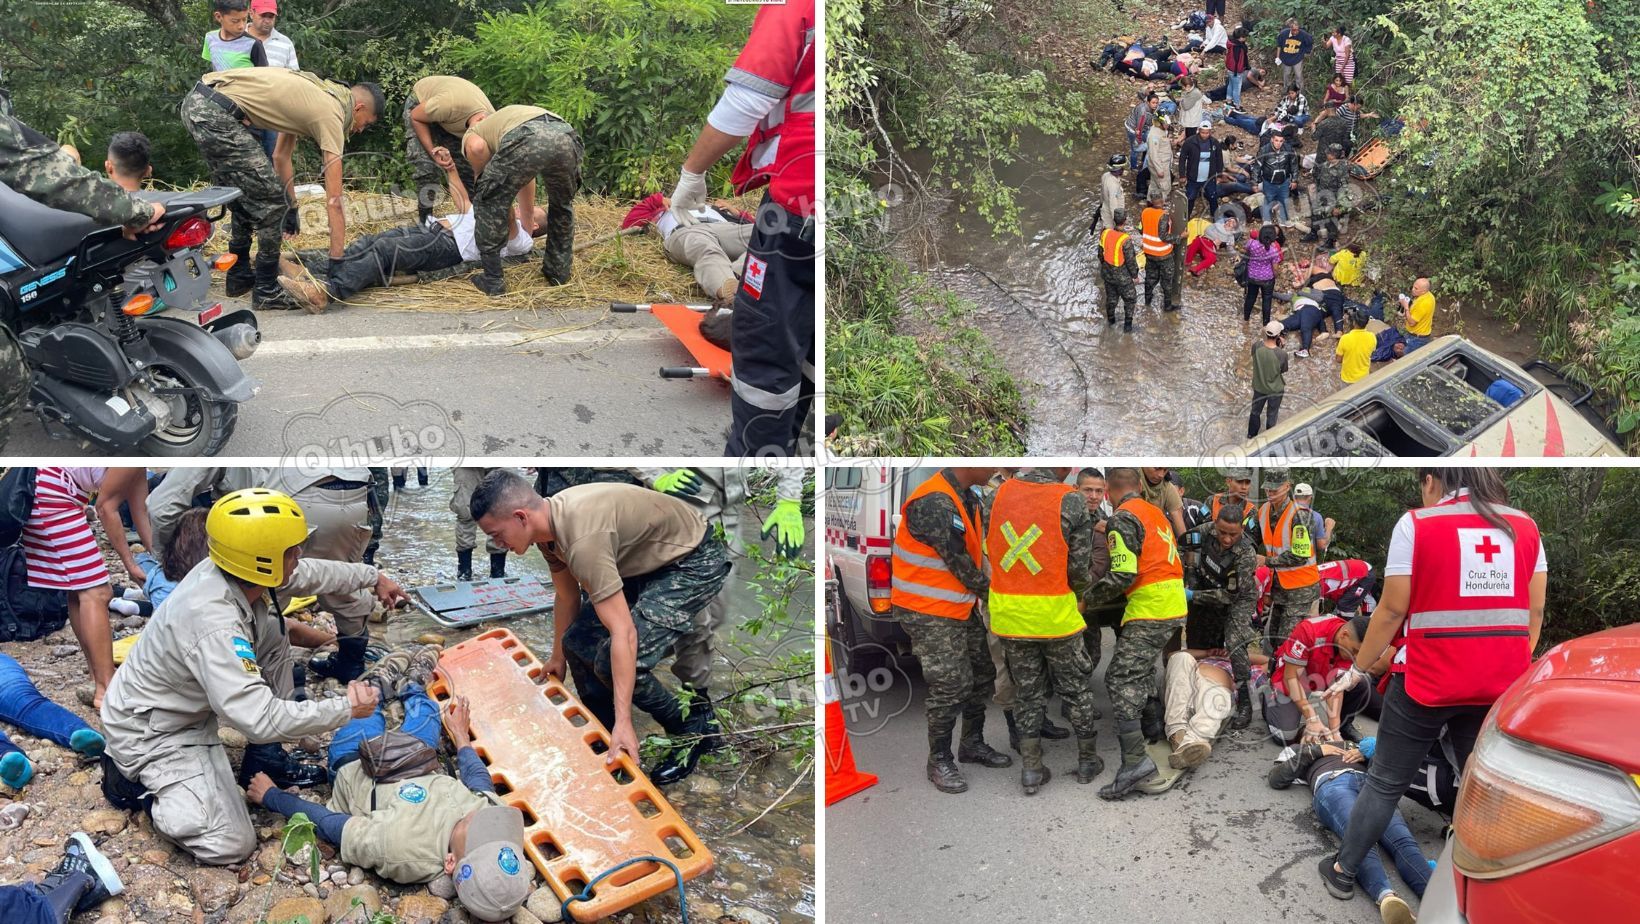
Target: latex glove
683, 483
786, 522
1189, 595
689, 194
1346, 680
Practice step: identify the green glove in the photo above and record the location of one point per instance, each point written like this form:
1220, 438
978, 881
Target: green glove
786, 522
681, 482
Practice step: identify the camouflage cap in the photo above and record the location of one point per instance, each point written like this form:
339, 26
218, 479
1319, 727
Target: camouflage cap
1239, 474
1275, 477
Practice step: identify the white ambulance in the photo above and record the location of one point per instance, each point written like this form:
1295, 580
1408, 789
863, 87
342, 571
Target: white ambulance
862, 511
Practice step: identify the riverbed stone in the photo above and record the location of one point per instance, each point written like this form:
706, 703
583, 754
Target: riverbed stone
216, 888
421, 908
340, 905
104, 821
290, 910
547, 906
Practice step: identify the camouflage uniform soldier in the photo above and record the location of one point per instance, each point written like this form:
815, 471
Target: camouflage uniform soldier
1039, 552
1226, 591
224, 113
646, 563
1326, 200
438, 111
379, 495
1145, 564
1118, 267
508, 150
549, 481
937, 580
1180, 207
1289, 550
1161, 270
466, 479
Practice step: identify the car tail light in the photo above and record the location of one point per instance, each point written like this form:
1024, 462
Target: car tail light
191, 233
879, 581
1522, 806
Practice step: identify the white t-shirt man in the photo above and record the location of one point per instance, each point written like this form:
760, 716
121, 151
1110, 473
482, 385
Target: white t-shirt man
280, 50
461, 224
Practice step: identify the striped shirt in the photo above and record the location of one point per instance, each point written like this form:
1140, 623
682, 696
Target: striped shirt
58, 545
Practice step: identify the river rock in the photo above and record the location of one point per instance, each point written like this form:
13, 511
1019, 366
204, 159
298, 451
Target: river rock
739, 889
427, 638
523, 916
79, 778
548, 907
156, 857
421, 909
248, 910
705, 785
64, 651
215, 887
231, 737
443, 887
288, 910
751, 915
806, 851
104, 821
355, 875
706, 911
310, 890
13, 815
338, 877
340, 905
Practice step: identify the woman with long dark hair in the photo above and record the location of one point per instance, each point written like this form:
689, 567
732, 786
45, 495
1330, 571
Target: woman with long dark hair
1463, 589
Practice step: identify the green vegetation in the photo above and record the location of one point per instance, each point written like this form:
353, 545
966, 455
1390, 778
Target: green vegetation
1516, 176
930, 100
636, 77
1587, 517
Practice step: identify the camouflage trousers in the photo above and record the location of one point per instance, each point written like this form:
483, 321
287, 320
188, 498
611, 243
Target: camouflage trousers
1057, 665
1236, 636
957, 665
429, 177
1131, 677
1287, 607
1118, 287
235, 157
721, 508
547, 148
1163, 273
14, 378
663, 604
549, 481
1006, 691
466, 479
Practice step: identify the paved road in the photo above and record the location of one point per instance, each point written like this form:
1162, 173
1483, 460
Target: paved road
1221, 846
491, 383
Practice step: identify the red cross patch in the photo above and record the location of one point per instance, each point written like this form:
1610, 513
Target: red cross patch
756, 269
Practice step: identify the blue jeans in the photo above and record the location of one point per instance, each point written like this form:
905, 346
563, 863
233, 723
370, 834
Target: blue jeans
24, 706
420, 720
1333, 803
1233, 88
1274, 192
1252, 125
1193, 189
268, 137
25, 904
1299, 120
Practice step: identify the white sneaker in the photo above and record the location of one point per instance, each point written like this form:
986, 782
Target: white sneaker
1302, 354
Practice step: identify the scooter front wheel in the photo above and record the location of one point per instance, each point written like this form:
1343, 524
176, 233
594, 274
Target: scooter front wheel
198, 426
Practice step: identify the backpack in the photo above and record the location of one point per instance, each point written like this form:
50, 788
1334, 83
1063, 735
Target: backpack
1240, 271
26, 613
16, 502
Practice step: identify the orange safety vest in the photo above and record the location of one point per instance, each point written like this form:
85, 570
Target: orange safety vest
1029, 562
1158, 592
1151, 222
1113, 247
1278, 538
922, 582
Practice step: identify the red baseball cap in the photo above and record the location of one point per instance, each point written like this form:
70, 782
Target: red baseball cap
259, 7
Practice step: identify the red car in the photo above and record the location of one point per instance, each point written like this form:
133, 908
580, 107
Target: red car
1547, 826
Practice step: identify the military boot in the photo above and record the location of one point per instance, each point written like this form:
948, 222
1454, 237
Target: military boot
464, 564
345, 664
1244, 708
490, 282
267, 294
1150, 720
1013, 730
1088, 763
1034, 775
701, 727
498, 564
942, 770
241, 277
1136, 763
1053, 732
974, 750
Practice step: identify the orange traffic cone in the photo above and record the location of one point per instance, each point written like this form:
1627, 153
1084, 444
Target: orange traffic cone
842, 778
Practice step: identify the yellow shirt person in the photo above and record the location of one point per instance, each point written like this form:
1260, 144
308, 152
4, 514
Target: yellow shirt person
1355, 349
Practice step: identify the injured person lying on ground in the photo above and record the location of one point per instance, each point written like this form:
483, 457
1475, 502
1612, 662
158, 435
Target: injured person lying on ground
374, 259
714, 246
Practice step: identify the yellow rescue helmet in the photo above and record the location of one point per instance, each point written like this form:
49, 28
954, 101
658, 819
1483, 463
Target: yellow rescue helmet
249, 532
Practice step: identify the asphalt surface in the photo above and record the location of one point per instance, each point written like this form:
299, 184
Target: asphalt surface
486, 383
1220, 846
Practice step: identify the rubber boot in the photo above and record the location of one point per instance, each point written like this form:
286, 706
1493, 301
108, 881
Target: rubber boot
942, 770
498, 564
701, 724
1244, 708
974, 750
1013, 730
267, 294
1136, 763
464, 564
1033, 776
346, 663
285, 771
241, 277
490, 282
398, 481
421, 476
1088, 763
1127, 322
1150, 720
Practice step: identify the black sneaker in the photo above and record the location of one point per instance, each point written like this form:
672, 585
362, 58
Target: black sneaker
80, 855
285, 770
1340, 886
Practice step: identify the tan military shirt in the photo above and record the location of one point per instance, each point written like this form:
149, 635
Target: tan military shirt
406, 835
289, 101
176, 492
197, 664
605, 532
504, 120
450, 101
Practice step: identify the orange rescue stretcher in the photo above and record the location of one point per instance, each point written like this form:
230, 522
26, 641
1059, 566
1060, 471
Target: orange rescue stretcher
684, 323
545, 752
1370, 161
